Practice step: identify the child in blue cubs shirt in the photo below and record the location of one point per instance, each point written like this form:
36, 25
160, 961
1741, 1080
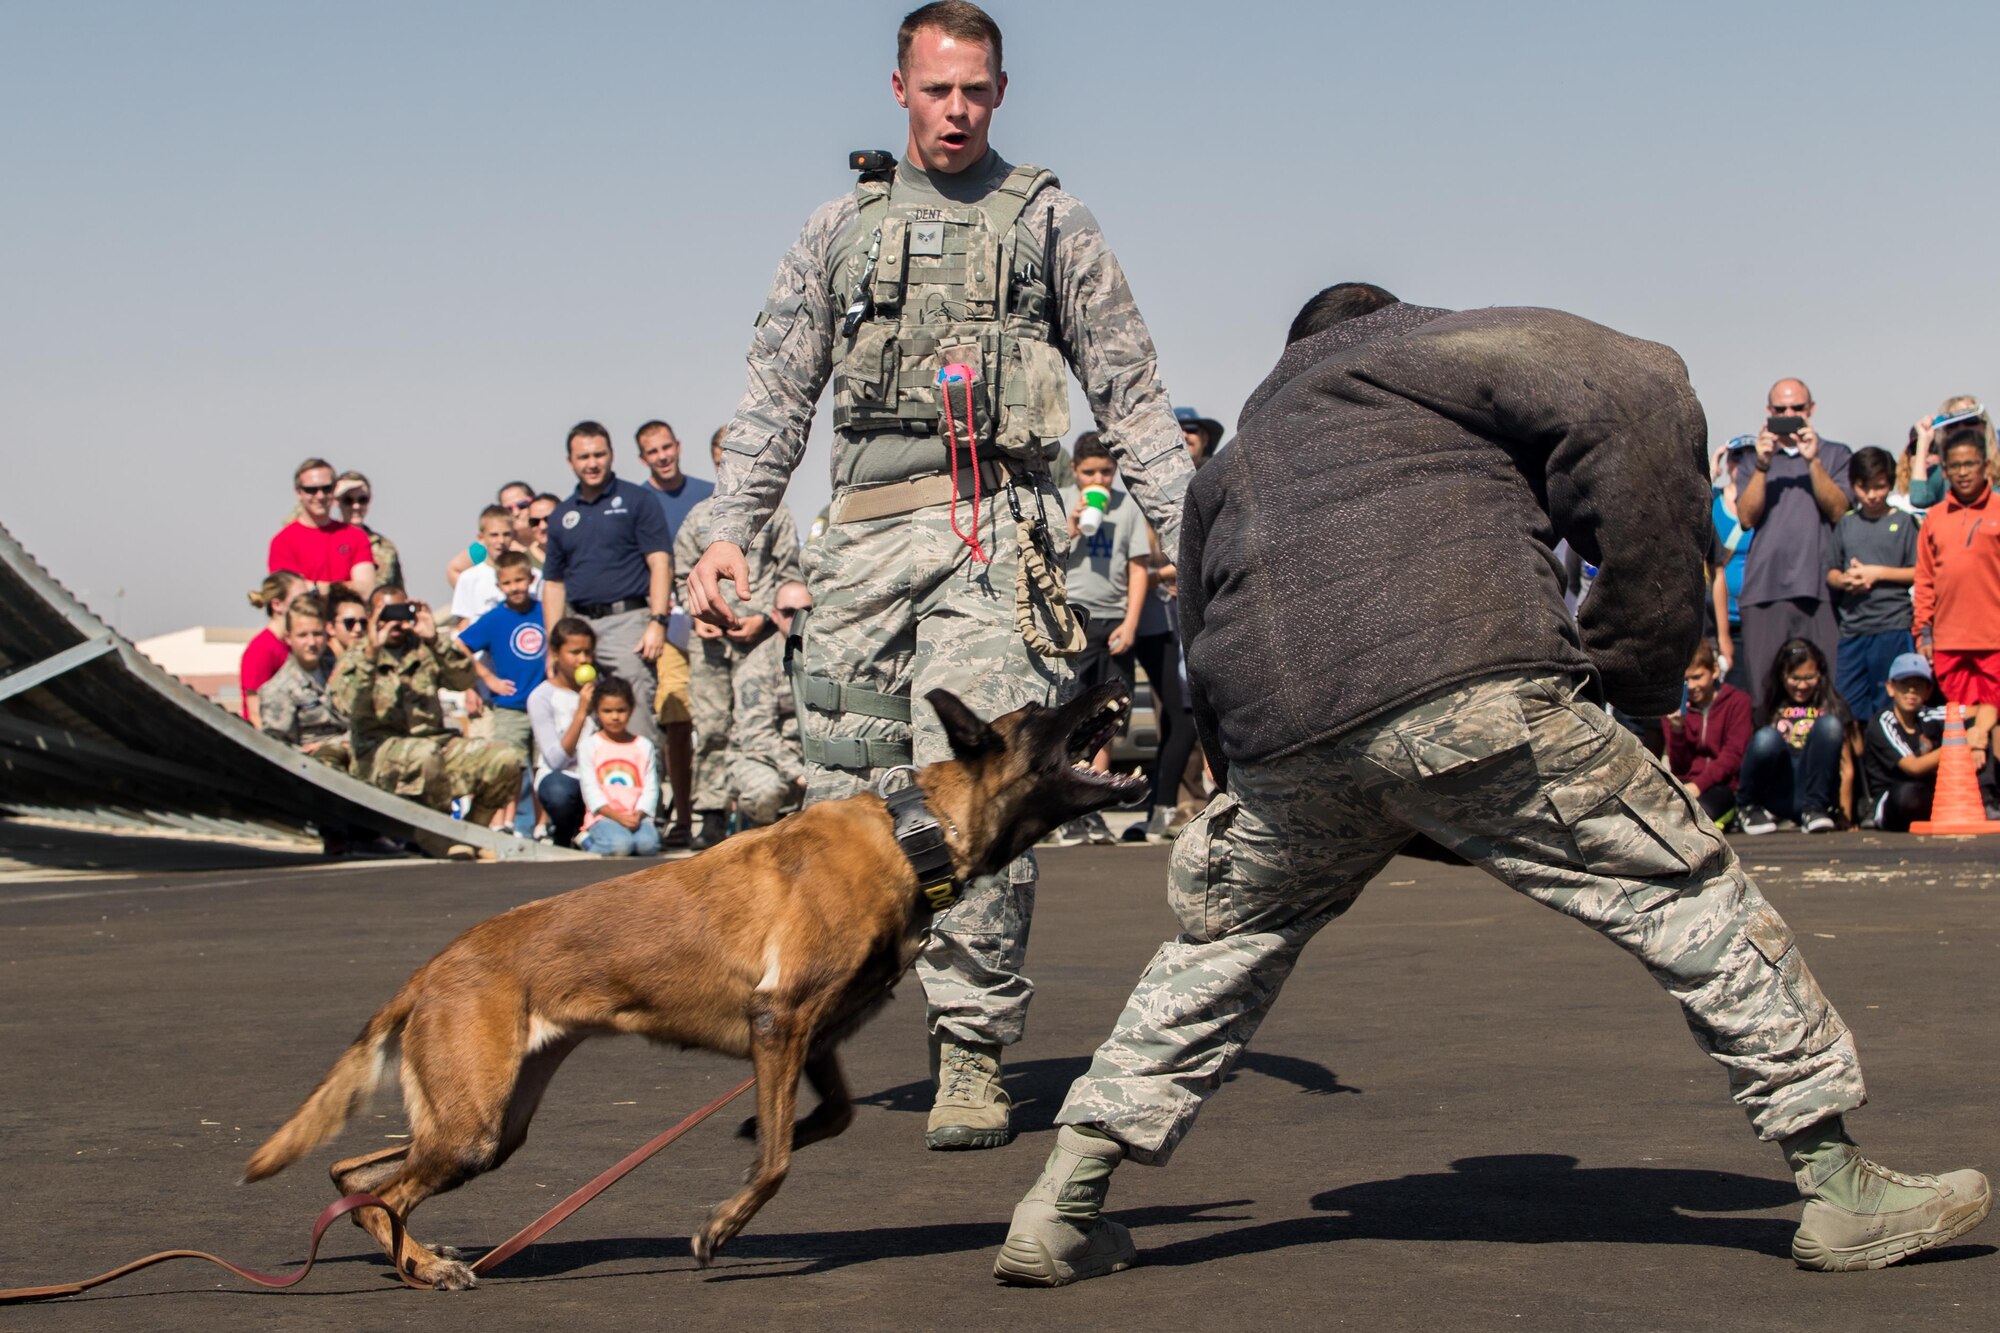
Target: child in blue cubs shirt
510, 652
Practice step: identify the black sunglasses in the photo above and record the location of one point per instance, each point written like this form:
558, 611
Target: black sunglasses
317, 490
541, 522
353, 499
353, 622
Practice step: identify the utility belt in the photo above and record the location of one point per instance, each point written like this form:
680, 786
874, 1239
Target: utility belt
831, 696
599, 610
890, 498
1038, 570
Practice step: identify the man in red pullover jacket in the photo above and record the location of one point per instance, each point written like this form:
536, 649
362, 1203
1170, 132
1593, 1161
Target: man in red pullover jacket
1707, 738
1957, 589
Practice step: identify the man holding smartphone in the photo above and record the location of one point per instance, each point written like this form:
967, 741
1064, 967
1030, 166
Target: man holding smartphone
387, 684
1791, 488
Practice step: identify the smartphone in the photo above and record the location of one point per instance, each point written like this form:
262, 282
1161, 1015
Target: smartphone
1787, 425
399, 611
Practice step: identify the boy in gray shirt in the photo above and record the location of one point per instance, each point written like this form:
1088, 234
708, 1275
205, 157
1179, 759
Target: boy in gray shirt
1107, 577
1871, 563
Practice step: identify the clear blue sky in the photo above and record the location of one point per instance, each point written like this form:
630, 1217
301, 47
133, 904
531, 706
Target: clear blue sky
421, 239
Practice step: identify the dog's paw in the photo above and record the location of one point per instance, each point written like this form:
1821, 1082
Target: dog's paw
451, 1275
704, 1248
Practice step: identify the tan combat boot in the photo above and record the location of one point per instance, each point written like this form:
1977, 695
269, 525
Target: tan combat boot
1058, 1236
1862, 1215
971, 1106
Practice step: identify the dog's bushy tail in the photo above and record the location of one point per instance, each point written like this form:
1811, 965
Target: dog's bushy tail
344, 1090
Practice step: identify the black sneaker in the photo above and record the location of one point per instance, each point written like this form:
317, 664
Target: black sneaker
1755, 819
714, 828
1817, 821
1135, 833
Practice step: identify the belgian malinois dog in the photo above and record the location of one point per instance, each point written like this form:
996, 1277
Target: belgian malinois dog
775, 946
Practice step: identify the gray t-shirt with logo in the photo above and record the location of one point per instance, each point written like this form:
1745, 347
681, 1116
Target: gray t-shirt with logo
1100, 566
1889, 540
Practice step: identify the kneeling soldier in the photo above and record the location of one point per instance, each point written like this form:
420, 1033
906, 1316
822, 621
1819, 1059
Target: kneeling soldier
388, 686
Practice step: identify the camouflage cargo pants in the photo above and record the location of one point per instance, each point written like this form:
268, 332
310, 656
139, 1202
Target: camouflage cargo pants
711, 701
1542, 792
900, 607
762, 793
438, 769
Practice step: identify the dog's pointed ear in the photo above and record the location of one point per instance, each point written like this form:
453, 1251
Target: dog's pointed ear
969, 735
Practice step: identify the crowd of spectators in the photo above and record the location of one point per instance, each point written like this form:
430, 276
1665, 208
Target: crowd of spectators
1853, 594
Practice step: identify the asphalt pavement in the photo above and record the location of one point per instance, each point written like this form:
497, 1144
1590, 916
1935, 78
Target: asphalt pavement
1465, 1112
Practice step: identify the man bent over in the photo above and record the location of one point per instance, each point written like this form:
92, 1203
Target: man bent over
1521, 427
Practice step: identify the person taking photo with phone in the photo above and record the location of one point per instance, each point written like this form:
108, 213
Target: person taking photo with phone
388, 685
1790, 490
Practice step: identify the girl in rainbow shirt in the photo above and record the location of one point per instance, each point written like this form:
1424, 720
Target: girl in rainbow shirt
620, 773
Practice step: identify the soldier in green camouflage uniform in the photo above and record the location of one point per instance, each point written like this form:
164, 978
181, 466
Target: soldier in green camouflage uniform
388, 685
766, 766
715, 658
951, 256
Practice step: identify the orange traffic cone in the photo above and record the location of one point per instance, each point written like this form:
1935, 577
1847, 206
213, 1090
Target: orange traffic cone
1956, 807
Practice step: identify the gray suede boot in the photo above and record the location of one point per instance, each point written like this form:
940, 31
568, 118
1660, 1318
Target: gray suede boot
1057, 1235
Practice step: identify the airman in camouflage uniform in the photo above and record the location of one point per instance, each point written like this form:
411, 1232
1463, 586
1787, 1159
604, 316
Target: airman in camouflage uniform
713, 662
950, 256
295, 708
766, 766
389, 691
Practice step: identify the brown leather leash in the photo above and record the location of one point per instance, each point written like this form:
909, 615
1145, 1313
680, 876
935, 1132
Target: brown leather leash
340, 1208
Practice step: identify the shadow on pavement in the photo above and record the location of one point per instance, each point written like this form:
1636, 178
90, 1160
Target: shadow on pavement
1533, 1199
1037, 1086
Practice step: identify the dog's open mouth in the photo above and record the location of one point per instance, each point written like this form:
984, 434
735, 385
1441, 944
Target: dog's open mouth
1093, 734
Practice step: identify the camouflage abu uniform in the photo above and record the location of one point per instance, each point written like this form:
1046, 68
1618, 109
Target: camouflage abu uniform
766, 766
901, 606
401, 742
1546, 794
712, 663
295, 709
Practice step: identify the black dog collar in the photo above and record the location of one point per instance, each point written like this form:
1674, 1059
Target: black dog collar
921, 836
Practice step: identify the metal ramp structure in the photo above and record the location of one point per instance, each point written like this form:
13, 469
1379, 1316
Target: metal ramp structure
93, 730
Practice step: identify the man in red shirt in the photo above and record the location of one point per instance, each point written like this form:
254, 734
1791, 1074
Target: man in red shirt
1957, 590
318, 545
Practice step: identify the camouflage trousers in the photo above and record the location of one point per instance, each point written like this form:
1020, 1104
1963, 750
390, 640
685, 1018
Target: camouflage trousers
900, 607
762, 793
335, 753
712, 667
436, 770
1543, 792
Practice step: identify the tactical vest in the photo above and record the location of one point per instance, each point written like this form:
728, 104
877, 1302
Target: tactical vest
944, 283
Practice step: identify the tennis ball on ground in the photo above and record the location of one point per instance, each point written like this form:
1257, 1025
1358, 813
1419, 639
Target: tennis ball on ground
585, 674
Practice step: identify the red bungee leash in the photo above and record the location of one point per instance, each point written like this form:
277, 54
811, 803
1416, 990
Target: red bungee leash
486, 1263
963, 374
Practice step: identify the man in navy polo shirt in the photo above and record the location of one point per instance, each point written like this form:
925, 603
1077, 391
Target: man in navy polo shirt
609, 563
